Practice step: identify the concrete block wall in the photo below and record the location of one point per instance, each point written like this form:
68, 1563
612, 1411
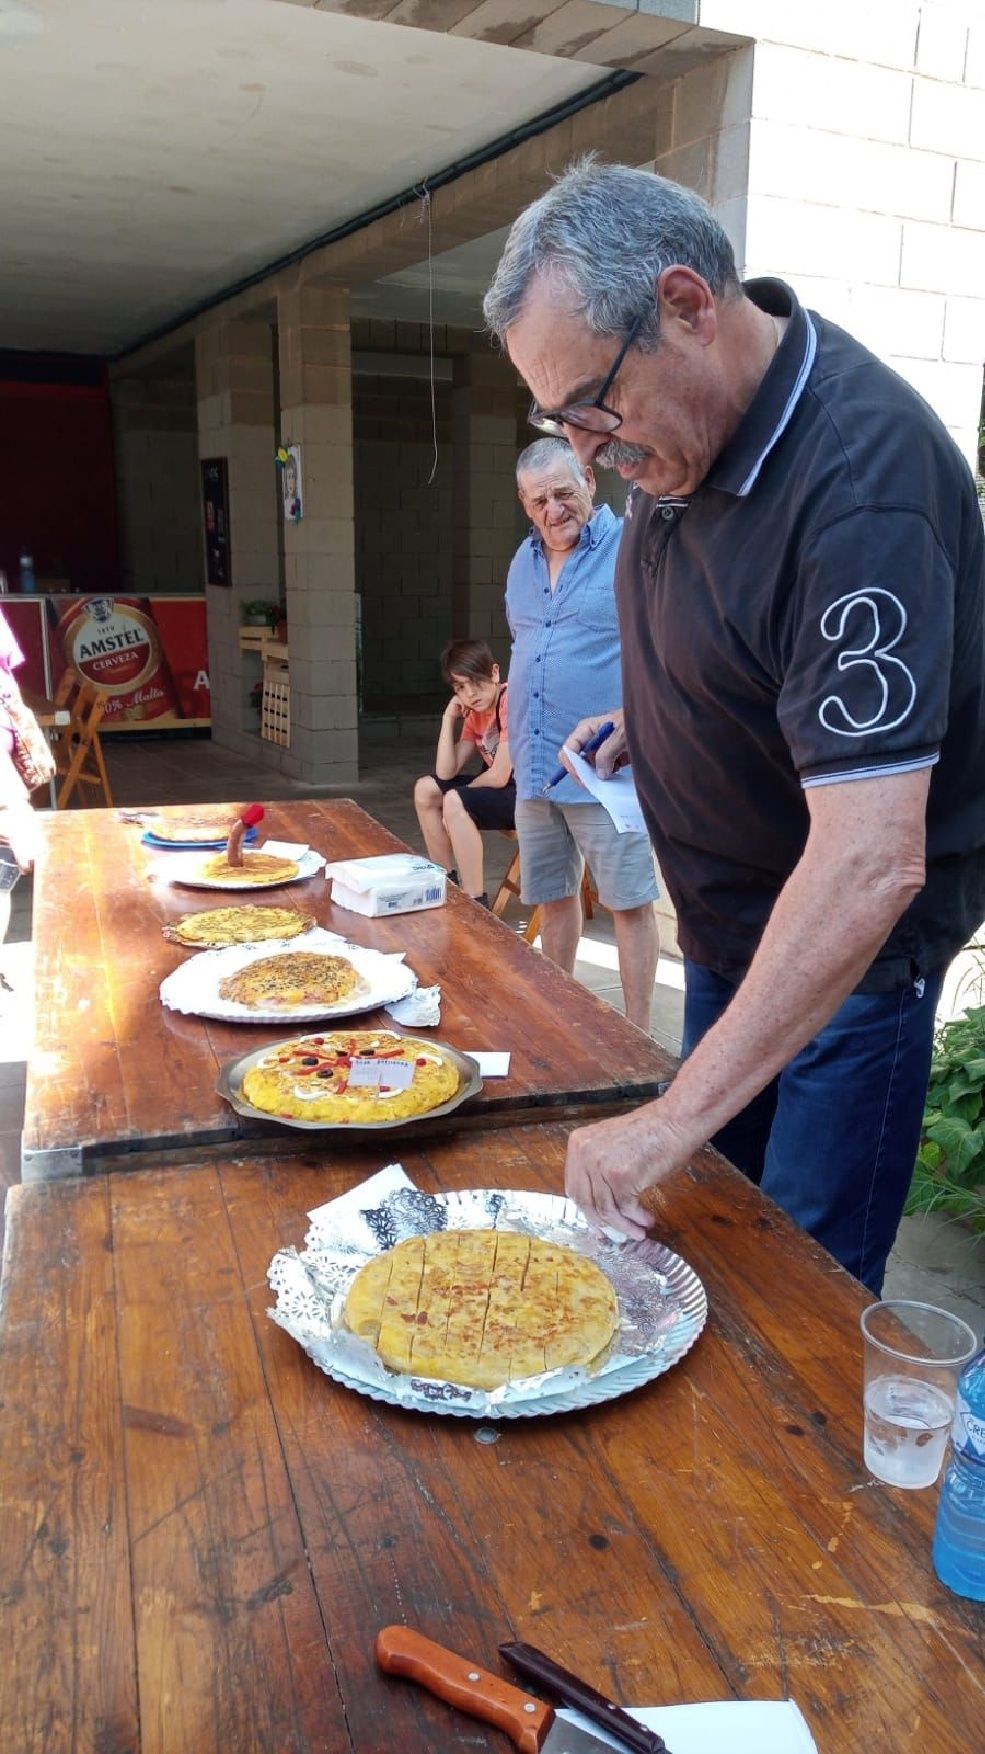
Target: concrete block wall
403, 521
235, 382
319, 552
155, 438
432, 558
484, 432
866, 178
702, 123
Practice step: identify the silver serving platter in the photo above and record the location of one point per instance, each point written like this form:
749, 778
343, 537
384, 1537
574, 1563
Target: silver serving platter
230, 1087
662, 1302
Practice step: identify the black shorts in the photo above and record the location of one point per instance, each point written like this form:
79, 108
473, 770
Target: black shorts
488, 806
9, 869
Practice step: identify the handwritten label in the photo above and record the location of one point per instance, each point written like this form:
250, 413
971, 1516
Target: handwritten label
395, 1074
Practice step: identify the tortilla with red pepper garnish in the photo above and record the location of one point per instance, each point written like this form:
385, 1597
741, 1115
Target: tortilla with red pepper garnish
358, 1075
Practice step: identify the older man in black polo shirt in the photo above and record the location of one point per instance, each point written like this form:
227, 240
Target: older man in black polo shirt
801, 592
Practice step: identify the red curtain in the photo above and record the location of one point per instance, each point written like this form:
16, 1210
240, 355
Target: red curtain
57, 484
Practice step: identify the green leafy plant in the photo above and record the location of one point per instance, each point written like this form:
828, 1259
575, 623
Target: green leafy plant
260, 609
950, 1169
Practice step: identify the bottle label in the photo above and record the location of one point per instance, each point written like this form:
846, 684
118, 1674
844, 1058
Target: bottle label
969, 1430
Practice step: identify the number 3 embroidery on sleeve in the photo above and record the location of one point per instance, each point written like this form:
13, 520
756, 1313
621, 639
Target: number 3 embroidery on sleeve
885, 624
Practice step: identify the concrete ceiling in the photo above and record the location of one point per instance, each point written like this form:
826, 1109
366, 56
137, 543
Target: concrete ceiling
449, 290
154, 152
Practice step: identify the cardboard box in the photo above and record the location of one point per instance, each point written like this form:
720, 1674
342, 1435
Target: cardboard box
395, 883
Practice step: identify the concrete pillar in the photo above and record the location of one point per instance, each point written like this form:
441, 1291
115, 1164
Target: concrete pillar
234, 370
485, 534
319, 552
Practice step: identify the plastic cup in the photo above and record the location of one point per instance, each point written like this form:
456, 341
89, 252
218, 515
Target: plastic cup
913, 1354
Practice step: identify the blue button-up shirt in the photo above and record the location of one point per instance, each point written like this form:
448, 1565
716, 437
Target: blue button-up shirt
565, 659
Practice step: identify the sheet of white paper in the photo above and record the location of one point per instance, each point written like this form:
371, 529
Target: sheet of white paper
490, 1065
284, 849
617, 795
740, 1726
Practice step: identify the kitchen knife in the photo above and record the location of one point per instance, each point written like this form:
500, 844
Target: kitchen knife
530, 1723
567, 1689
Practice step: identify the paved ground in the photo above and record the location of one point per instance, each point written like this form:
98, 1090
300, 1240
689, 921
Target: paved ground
935, 1259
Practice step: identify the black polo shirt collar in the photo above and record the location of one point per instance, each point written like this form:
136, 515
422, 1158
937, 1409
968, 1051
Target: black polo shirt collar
736, 468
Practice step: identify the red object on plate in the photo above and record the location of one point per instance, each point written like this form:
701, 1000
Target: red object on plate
252, 815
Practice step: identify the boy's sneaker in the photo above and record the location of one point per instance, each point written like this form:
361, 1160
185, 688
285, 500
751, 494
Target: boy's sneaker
483, 899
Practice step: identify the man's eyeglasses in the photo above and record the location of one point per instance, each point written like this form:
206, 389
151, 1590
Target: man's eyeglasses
591, 416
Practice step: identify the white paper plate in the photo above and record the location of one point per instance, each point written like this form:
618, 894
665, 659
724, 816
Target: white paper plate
187, 868
193, 988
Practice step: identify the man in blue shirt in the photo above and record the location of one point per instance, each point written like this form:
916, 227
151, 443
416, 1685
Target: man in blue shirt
565, 663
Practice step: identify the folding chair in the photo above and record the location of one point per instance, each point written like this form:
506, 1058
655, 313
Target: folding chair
511, 886
78, 753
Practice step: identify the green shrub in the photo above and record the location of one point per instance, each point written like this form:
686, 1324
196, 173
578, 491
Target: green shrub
950, 1169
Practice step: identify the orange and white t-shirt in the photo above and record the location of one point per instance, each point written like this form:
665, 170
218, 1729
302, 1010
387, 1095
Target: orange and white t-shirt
485, 729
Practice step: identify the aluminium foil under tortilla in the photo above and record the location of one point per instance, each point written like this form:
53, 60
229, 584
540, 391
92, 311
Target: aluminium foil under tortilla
662, 1303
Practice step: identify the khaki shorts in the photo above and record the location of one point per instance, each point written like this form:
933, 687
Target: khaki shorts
556, 840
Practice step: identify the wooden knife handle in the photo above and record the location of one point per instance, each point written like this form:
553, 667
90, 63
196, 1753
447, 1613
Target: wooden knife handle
400, 1651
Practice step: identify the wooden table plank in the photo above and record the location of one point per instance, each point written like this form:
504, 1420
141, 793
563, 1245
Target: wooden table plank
68, 1672
711, 1535
220, 1578
116, 1078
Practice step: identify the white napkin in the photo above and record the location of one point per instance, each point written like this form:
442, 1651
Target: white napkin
738, 1726
422, 1007
617, 795
285, 849
490, 1065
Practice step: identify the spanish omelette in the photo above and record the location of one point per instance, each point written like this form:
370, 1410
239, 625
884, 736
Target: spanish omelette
482, 1307
203, 826
297, 978
309, 1079
256, 868
251, 924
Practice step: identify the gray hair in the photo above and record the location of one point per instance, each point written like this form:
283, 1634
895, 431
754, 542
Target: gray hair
544, 453
605, 233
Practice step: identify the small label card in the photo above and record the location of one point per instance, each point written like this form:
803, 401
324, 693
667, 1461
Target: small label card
490, 1065
395, 1074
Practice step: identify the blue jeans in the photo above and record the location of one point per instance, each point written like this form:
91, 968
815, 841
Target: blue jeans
833, 1139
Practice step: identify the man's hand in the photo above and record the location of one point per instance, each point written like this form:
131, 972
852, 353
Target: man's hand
612, 754
610, 1164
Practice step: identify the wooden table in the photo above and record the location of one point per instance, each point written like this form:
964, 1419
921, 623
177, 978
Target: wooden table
114, 1077
202, 1533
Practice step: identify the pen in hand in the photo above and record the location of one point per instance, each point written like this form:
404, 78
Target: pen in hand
589, 748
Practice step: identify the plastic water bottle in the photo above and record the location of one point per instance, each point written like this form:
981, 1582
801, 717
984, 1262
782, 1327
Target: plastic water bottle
27, 580
959, 1538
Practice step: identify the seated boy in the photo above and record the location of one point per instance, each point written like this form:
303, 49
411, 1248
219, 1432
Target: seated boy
452, 806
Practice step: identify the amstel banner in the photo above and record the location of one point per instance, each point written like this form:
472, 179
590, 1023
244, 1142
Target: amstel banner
150, 654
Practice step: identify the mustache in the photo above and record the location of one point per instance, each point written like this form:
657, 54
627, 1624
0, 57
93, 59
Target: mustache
616, 454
